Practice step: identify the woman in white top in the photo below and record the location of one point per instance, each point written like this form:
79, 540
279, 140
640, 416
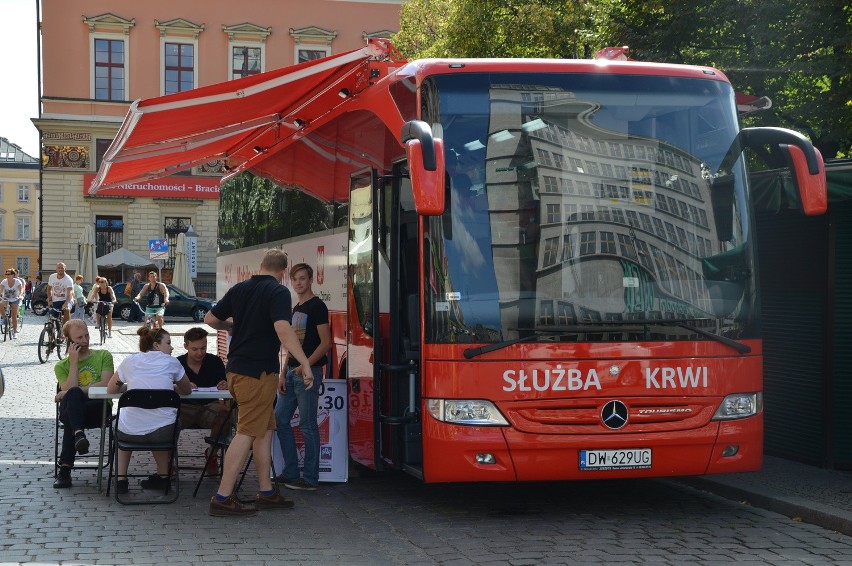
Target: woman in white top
152, 368
12, 292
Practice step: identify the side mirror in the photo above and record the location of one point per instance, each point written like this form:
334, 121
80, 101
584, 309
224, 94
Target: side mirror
426, 167
812, 188
805, 161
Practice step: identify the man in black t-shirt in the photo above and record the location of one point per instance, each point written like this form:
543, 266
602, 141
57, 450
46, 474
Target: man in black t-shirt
257, 314
204, 371
310, 321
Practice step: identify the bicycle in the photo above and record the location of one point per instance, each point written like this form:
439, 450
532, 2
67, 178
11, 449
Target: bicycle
102, 323
51, 336
6, 327
150, 320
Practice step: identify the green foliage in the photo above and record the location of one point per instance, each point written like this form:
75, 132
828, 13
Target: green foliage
491, 28
799, 54
423, 28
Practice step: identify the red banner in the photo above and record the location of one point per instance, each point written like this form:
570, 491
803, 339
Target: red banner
167, 187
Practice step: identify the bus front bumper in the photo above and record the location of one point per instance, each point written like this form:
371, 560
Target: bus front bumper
453, 453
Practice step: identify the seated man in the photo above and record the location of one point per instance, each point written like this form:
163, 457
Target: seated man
79, 370
203, 370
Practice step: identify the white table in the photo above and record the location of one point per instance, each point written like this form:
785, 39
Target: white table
101, 393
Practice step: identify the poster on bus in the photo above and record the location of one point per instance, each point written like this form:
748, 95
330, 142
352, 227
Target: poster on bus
331, 419
325, 252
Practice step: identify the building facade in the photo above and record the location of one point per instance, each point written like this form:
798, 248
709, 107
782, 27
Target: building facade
97, 57
19, 197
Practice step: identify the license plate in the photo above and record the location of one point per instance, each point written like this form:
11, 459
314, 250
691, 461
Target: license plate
626, 459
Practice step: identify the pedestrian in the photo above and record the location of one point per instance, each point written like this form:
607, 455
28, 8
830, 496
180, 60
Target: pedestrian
133, 288
310, 322
257, 314
79, 307
81, 369
28, 293
60, 291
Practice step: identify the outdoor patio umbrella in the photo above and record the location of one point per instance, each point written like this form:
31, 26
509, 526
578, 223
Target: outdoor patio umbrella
88, 267
180, 277
123, 258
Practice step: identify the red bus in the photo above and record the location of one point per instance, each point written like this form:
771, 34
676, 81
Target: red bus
537, 269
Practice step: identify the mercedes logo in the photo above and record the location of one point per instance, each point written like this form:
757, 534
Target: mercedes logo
614, 415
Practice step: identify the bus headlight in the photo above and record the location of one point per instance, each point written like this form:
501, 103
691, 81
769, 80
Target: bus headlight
739, 406
474, 412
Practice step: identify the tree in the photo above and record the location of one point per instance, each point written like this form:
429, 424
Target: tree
798, 54
423, 28
491, 28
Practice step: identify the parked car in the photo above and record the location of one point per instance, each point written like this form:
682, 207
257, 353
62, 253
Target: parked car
181, 304
39, 298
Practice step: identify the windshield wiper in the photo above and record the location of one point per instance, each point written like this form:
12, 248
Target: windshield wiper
685, 323
473, 352
606, 326
535, 333
738, 346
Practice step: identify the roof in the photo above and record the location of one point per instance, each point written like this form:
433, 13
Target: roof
12, 154
244, 121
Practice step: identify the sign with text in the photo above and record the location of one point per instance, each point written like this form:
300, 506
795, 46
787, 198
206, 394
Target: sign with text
167, 187
159, 248
192, 256
332, 424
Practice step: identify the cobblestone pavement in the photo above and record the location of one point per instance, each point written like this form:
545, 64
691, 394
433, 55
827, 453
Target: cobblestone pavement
372, 519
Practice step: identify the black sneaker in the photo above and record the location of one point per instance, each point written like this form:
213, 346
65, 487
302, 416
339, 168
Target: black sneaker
230, 508
63, 478
81, 443
156, 481
122, 486
299, 483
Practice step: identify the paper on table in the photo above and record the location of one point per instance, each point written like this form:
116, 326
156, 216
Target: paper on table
206, 389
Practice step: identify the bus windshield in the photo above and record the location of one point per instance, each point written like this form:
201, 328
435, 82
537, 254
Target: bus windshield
582, 206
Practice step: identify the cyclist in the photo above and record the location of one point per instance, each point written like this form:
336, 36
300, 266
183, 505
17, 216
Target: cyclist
21, 298
105, 296
12, 291
158, 297
60, 291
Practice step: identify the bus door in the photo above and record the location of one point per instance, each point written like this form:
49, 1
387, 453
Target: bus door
399, 247
383, 342
362, 320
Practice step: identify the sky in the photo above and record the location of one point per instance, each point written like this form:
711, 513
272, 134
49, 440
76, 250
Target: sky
19, 82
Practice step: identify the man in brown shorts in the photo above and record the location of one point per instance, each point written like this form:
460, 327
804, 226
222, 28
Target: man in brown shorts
257, 314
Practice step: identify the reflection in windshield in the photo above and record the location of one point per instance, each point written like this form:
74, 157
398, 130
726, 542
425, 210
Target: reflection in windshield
584, 198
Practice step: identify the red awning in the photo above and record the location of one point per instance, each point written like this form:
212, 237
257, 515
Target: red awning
243, 121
